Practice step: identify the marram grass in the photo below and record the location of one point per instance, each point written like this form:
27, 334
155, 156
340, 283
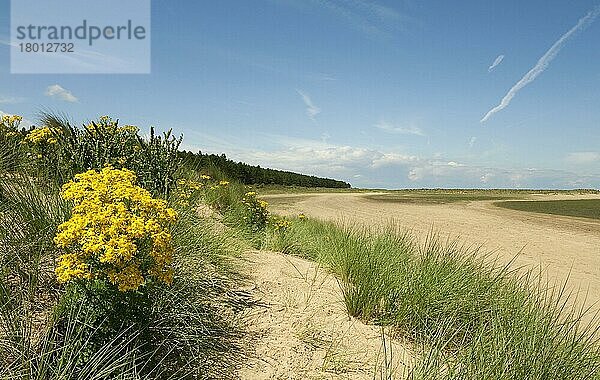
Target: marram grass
468, 316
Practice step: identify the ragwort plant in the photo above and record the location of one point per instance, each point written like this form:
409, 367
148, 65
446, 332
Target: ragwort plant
117, 231
11, 137
256, 213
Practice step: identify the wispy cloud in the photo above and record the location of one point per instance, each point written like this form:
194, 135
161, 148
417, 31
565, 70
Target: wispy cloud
369, 17
85, 61
10, 99
497, 61
311, 109
543, 63
472, 141
403, 130
583, 157
57, 91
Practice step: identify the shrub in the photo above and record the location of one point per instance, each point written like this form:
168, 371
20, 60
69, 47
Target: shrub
10, 147
69, 150
9, 126
117, 232
256, 215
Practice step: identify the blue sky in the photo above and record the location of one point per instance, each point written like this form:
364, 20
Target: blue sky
378, 93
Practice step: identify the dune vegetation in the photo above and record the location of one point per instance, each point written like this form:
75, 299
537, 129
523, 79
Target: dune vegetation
106, 269
118, 261
467, 316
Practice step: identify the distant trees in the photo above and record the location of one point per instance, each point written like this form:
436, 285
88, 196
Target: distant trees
255, 175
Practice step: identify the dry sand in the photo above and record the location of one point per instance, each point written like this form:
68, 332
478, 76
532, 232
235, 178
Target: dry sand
564, 247
300, 329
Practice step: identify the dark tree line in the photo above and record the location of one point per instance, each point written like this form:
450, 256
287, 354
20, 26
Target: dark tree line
255, 175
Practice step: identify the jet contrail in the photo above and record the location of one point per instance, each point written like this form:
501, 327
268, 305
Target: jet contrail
496, 63
542, 63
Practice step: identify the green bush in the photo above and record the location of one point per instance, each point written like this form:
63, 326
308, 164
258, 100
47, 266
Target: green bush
66, 150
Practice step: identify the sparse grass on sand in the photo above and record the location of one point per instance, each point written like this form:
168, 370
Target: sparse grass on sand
583, 208
468, 316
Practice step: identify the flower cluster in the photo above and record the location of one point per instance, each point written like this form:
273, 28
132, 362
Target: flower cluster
257, 213
187, 190
117, 231
107, 126
40, 136
280, 225
301, 216
9, 125
11, 121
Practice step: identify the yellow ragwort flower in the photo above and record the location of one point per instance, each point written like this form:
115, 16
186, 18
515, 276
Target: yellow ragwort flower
117, 231
41, 135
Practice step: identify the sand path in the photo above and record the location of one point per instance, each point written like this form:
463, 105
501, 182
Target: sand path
300, 329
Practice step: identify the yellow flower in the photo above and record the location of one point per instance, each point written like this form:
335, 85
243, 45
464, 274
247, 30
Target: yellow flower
129, 129
40, 135
281, 225
223, 183
115, 227
11, 121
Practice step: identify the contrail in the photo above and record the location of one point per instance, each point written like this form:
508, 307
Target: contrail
496, 63
543, 63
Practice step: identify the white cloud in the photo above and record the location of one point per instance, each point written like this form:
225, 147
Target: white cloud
543, 63
497, 61
10, 99
311, 109
391, 159
436, 174
583, 157
472, 141
486, 177
404, 130
61, 93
